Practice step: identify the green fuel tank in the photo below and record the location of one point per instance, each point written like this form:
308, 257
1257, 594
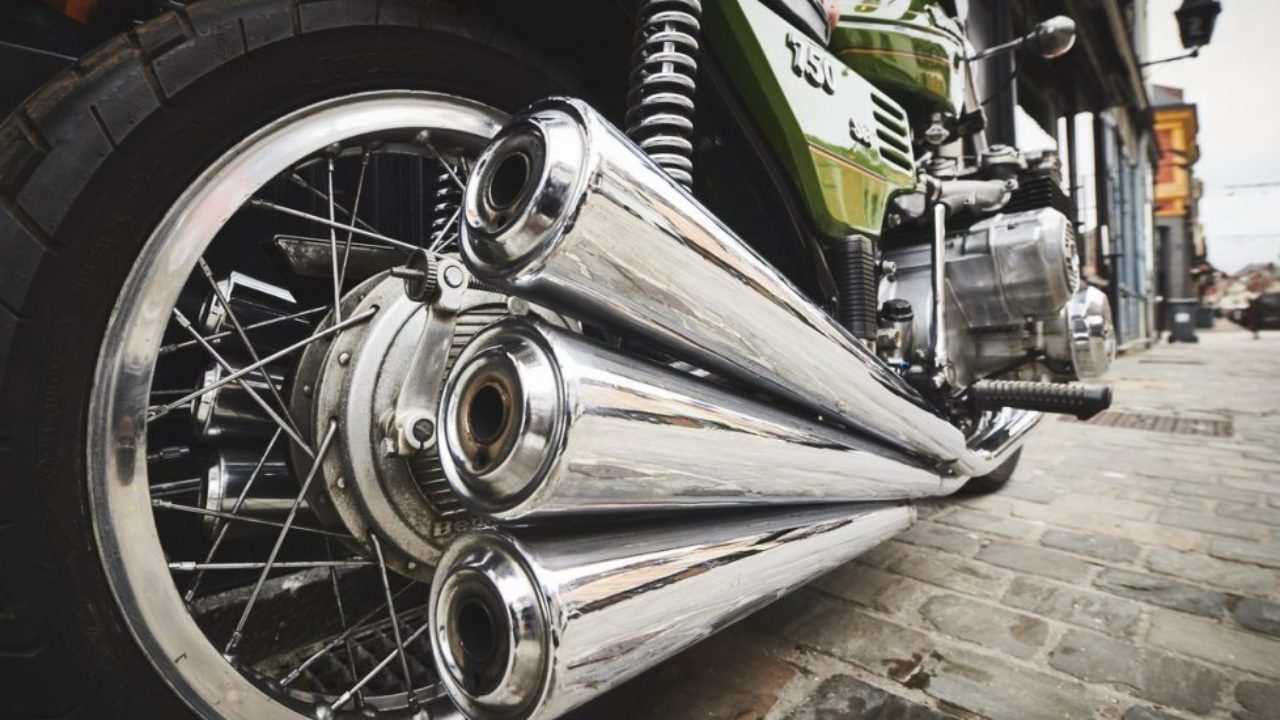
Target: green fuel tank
909, 49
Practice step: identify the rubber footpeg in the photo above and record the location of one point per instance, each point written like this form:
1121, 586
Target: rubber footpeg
1083, 401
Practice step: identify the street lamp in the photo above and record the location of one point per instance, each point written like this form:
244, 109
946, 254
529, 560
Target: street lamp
1195, 21
1195, 26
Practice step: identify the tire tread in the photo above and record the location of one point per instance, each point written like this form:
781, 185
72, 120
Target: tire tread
51, 149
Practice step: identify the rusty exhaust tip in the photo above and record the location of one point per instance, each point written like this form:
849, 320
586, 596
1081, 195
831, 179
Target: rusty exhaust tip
486, 420
488, 412
478, 638
488, 631
502, 418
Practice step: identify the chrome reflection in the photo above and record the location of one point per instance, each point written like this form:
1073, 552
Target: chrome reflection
541, 422
596, 230
1084, 339
243, 483
530, 624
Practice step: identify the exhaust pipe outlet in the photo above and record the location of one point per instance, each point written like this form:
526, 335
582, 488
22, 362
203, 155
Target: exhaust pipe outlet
526, 624
564, 210
540, 422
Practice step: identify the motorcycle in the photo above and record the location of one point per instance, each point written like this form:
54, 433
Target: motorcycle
399, 359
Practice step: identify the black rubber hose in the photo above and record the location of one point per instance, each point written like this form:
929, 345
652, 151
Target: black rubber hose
1083, 401
853, 264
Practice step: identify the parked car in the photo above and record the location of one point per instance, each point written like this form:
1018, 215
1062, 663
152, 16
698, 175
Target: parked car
1262, 313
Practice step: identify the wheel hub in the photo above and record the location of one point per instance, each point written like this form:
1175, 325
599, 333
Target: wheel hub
366, 487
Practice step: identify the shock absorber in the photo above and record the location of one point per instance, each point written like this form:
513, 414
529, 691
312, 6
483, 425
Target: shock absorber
444, 213
660, 103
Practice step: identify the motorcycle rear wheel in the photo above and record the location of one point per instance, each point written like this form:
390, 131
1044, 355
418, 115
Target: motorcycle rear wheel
996, 479
89, 167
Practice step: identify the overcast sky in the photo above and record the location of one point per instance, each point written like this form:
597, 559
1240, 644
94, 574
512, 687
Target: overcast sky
1236, 85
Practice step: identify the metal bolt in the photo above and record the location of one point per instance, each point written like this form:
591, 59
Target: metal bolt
412, 565
307, 390
344, 358
341, 483
407, 273
423, 430
453, 276
517, 306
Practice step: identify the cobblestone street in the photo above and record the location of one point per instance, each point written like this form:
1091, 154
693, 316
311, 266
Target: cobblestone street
1122, 573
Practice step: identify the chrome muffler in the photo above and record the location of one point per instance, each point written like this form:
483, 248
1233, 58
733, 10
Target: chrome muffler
529, 625
564, 210
540, 422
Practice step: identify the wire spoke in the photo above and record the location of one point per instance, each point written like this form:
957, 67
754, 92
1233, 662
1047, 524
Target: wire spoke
244, 338
222, 515
361, 623
223, 527
160, 411
265, 204
302, 183
284, 531
333, 250
424, 138
355, 209
253, 394
192, 566
342, 621
172, 347
345, 697
171, 392
177, 487
391, 610
438, 243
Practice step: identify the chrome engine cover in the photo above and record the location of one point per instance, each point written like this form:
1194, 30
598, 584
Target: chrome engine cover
1011, 266
1082, 344
1009, 282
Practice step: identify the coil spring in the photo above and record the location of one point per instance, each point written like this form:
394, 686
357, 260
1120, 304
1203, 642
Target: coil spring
444, 214
663, 81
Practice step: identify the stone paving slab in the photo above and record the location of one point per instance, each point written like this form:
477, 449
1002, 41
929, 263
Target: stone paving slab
1122, 574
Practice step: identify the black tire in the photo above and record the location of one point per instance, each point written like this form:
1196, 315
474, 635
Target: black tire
996, 479
88, 165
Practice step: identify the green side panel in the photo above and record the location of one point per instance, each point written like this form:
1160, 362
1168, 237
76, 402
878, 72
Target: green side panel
909, 49
845, 144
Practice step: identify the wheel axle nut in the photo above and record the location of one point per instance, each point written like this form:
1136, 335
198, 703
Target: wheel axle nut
423, 430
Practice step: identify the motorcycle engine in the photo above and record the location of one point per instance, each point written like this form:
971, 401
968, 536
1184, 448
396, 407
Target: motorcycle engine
1014, 303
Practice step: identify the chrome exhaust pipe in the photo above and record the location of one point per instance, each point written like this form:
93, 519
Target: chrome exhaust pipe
564, 210
540, 422
526, 624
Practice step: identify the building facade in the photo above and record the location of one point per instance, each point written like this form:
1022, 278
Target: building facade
1180, 250
1095, 105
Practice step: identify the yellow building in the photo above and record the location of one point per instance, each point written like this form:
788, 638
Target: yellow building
1179, 243
1176, 126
